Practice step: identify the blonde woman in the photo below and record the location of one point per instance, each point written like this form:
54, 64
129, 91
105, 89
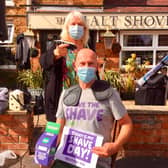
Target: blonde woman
57, 63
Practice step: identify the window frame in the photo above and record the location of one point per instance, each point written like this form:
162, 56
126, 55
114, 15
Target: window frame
8, 43
9, 2
154, 47
11, 34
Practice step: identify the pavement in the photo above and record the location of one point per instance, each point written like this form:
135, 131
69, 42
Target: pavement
27, 161
130, 162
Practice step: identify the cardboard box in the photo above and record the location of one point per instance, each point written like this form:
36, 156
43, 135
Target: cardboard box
16, 100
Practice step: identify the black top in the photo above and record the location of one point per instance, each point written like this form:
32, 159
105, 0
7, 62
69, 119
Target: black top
53, 75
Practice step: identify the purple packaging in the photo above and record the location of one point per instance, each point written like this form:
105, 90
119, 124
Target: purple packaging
46, 145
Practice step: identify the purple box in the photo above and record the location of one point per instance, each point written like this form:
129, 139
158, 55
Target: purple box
45, 148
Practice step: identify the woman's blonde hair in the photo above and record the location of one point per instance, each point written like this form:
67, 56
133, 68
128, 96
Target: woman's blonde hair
69, 17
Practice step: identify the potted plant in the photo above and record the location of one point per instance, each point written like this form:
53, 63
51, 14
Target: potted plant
114, 78
125, 81
122, 82
33, 81
133, 71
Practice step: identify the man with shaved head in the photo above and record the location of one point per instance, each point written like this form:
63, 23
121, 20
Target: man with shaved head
92, 106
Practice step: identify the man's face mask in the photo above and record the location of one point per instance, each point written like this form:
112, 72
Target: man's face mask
76, 31
86, 74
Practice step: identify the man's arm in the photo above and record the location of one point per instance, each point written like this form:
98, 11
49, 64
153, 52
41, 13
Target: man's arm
110, 148
62, 123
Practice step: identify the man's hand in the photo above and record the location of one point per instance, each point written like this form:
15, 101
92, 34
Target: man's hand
110, 148
106, 150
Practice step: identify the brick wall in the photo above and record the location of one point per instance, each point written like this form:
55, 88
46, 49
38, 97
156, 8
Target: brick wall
149, 138
150, 135
112, 59
16, 131
101, 2
157, 2
137, 5
17, 15
71, 2
137, 2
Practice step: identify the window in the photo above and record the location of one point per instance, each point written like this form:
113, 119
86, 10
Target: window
163, 40
7, 59
9, 3
150, 47
137, 40
10, 34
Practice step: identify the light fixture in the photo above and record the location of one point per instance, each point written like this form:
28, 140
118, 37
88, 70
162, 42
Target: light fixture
28, 32
29, 35
108, 37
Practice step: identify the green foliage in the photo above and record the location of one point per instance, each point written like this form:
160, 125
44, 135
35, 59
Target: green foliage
114, 78
30, 79
133, 71
128, 84
122, 82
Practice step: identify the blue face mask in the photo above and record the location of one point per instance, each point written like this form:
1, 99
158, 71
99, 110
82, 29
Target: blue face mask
76, 31
86, 74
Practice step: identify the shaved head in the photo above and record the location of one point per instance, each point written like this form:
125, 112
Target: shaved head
86, 55
86, 66
86, 52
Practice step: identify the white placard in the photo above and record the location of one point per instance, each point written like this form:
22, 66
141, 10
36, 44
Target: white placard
75, 147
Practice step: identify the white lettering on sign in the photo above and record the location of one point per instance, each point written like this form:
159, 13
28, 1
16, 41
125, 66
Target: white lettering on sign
42, 148
78, 151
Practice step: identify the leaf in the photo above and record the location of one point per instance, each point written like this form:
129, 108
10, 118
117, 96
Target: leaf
30, 79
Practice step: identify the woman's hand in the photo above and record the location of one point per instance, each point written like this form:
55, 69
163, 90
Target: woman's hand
106, 150
60, 51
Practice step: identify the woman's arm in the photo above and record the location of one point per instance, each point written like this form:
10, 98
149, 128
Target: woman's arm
53, 55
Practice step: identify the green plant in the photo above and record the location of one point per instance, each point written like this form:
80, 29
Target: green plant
114, 78
133, 69
128, 84
30, 79
124, 81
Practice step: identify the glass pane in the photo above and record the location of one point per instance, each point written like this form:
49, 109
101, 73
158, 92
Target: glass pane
141, 56
137, 40
163, 40
9, 2
10, 34
160, 55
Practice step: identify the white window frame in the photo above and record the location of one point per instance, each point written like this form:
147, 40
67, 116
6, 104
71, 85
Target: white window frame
9, 3
154, 46
10, 35
8, 43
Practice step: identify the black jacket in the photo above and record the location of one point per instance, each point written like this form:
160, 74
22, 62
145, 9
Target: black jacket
22, 52
53, 74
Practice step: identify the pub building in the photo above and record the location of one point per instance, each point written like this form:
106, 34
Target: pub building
139, 27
